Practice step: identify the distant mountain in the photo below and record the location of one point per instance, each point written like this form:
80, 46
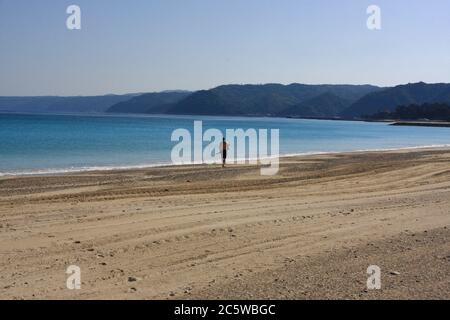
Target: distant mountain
156, 102
54, 104
296, 100
387, 100
264, 100
326, 105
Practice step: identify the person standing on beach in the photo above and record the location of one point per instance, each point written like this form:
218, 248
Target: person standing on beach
223, 148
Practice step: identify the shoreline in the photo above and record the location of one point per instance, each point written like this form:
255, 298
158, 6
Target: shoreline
436, 124
190, 232
111, 169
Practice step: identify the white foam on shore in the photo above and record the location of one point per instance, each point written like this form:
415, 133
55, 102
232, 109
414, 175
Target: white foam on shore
50, 171
80, 169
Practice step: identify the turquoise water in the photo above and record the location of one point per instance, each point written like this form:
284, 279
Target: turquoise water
59, 143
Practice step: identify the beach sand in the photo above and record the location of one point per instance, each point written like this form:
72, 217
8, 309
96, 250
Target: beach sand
204, 232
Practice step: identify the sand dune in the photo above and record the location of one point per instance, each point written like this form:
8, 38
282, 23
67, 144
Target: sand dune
205, 232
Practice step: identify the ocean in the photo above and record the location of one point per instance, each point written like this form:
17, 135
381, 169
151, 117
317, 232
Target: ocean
41, 144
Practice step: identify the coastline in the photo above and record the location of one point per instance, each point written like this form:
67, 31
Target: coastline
187, 232
438, 124
106, 169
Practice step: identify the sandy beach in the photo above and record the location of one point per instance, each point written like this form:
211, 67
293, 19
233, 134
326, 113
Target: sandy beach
190, 232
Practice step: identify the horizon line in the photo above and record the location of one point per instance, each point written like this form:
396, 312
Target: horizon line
221, 85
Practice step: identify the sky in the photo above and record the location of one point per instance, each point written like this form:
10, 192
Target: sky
154, 45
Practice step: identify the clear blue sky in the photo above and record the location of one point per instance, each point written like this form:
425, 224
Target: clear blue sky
152, 45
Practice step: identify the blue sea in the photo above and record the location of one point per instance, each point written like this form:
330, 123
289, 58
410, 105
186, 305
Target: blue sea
37, 144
